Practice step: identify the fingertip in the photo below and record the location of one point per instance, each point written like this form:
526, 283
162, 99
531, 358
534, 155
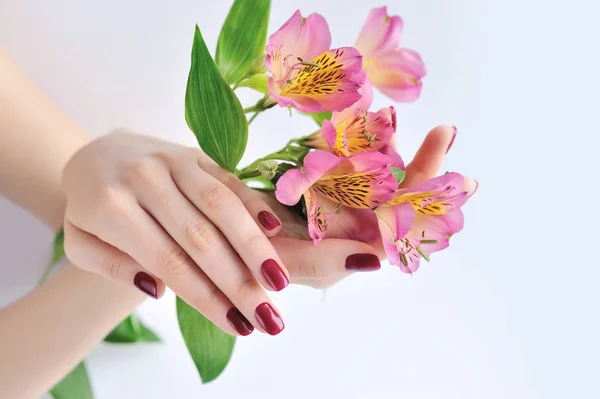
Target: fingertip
269, 223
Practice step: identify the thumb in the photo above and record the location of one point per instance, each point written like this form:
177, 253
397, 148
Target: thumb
326, 263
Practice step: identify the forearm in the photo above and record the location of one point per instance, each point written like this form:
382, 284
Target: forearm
46, 333
36, 141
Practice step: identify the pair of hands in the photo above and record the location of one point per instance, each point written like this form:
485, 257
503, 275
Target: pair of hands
150, 213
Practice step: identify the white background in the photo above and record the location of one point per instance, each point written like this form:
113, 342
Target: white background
509, 311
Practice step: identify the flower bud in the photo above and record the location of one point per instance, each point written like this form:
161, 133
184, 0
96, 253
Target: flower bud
267, 168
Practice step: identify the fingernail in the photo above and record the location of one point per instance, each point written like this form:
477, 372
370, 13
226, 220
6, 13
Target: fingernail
268, 221
146, 284
269, 319
475, 189
453, 137
274, 275
238, 322
362, 263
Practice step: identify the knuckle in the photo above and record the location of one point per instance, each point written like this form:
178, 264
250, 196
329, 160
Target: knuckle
254, 243
174, 262
209, 296
113, 200
112, 266
201, 237
246, 287
219, 195
141, 171
310, 269
228, 179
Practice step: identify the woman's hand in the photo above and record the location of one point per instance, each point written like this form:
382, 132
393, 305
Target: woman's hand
330, 261
147, 212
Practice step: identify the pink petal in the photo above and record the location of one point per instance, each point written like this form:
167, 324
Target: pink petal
319, 163
317, 220
303, 37
390, 113
364, 163
397, 74
291, 186
296, 182
366, 91
329, 133
379, 126
328, 87
380, 33
394, 223
451, 182
397, 161
349, 223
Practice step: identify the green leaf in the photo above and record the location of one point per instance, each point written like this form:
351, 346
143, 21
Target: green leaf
209, 347
242, 39
131, 330
212, 110
58, 252
147, 335
399, 174
76, 385
256, 82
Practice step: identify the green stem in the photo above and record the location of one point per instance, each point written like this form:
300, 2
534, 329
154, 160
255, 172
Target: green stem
246, 174
253, 117
254, 108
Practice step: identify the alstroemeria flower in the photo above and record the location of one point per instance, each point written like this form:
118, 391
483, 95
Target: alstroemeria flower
395, 71
420, 220
305, 73
331, 184
355, 129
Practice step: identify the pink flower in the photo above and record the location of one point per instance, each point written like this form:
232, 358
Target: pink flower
356, 130
420, 220
340, 192
305, 73
394, 71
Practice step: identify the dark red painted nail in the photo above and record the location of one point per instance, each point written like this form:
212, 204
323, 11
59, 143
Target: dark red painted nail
269, 319
238, 322
453, 137
362, 263
146, 284
268, 221
274, 275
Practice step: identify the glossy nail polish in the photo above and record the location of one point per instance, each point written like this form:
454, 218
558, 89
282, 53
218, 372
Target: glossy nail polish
274, 274
238, 322
362, 263
146, 284
268, 221
453, 137
269, 319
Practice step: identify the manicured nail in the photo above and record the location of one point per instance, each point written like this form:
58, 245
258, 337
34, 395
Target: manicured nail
274, 275
238, 322
453, 137
268, 221
362, 263
146, 284
269, 319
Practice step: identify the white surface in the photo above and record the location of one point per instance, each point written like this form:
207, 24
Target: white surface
510, 311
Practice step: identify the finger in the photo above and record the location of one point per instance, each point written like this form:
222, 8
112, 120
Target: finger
91, 254
227, 212
136, 233
430, 156
262, 213
470, 186
322, 265
210, 250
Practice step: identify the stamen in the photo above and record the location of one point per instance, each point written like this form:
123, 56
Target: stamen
404, 260
338, 210
308, 63
423, 254
428, 241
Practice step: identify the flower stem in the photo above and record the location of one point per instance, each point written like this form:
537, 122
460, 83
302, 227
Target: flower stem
253, 117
